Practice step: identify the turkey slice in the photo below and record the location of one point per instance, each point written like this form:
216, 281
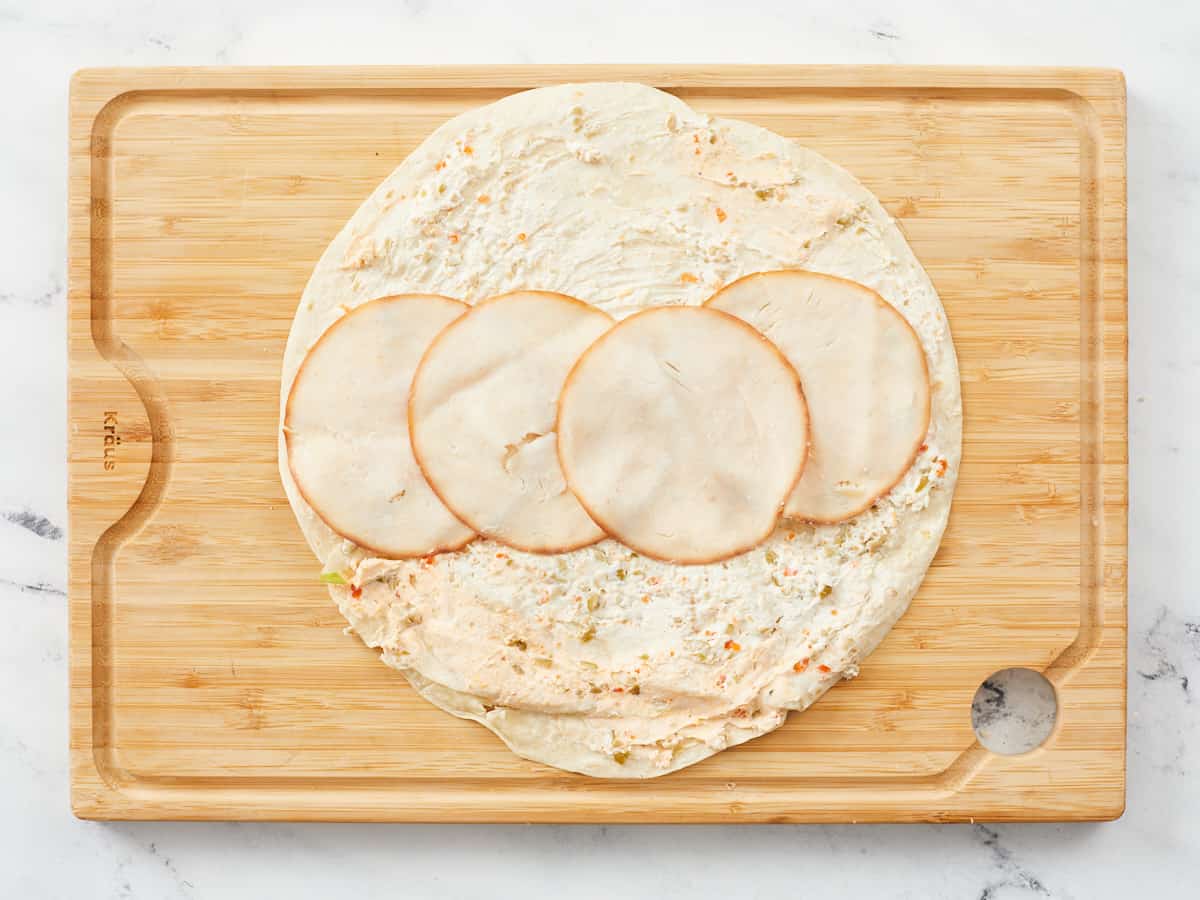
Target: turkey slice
482, 410
682, 431
346, 428
864, 375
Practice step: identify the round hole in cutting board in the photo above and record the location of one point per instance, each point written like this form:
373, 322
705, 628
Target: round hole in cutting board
1014, 711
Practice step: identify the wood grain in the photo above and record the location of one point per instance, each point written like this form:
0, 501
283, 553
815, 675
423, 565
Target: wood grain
209, 674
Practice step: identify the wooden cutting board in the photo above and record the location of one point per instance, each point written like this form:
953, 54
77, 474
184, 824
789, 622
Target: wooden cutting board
210, 677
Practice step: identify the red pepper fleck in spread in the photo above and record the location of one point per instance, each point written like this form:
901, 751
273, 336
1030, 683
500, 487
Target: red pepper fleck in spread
721, 214
521, 236
355, 591
824, 668
942, 466
468, 149
800, 666
501, 556
688, 278
454, 238
733, 645
441, 165
618, 690
484, 198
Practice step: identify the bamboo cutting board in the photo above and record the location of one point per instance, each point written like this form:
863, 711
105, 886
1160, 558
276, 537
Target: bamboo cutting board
210, 677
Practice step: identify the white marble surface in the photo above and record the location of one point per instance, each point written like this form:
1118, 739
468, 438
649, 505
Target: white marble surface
1152, 851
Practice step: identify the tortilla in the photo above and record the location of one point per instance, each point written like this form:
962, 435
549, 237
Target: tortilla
682, 431
626, 197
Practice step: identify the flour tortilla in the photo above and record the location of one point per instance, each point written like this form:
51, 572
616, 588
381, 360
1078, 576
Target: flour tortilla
346, 429
682, 431
598, 191
481, 415
865, 377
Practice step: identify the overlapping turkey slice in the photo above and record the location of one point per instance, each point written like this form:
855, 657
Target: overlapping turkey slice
481, 415
864, 375
682, 431
346, 429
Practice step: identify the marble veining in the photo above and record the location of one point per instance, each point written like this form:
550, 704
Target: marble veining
1173, 646
31, 521
1152, 851
46, 297
1009, 872
1014, 711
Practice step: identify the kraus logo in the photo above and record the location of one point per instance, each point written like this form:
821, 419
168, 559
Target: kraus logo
112, 440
